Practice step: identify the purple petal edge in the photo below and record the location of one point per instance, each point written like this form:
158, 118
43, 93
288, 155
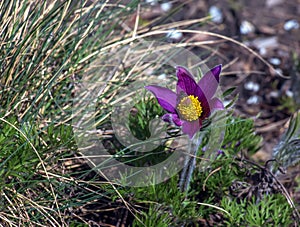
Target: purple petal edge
185, 81
216, 104
188, 85
210, 81
191, 128
165, 97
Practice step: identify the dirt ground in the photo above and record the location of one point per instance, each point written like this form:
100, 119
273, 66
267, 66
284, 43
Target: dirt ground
269, 19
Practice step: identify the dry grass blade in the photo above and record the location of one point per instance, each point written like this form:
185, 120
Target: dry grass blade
159, 32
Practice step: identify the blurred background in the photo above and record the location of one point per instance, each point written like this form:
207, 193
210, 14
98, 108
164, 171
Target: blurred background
269, 27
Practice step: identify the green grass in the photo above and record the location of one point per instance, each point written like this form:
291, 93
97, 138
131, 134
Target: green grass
45, 48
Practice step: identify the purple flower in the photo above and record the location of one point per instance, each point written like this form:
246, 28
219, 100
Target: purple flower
192, 102
220, 152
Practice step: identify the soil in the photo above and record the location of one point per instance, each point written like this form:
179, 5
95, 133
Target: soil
268, 19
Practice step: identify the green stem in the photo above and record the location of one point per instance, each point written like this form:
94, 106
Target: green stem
190, 162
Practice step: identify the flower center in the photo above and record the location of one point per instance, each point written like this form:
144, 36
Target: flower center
190, 108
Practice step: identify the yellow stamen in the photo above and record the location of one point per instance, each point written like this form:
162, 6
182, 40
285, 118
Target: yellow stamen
190, 108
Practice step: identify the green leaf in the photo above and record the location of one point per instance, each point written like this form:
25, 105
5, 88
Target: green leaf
228, 91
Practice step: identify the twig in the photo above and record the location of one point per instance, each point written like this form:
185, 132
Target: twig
283, 189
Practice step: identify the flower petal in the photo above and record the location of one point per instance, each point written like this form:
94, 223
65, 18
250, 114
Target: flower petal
172, 118
210, 81
188, 85
165, 97
185, 81
216, 104
191, 127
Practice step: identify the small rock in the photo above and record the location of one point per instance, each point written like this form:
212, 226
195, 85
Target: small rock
246, 27
263, 44
253, 100
162, 76
151, 2
166, 6
290, 25
268, 42
216, 14
263, 51
274, 94
289, 93
251, 86
275, 61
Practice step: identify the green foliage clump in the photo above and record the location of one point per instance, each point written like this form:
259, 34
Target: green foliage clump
239, 136
141, 115
143, 119
210, 191
165, 205
18, 159
272, 210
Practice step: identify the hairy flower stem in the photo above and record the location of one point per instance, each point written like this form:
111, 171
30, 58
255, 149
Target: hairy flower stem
190, 162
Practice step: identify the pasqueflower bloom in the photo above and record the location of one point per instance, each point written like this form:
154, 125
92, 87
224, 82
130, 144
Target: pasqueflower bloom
193, 102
